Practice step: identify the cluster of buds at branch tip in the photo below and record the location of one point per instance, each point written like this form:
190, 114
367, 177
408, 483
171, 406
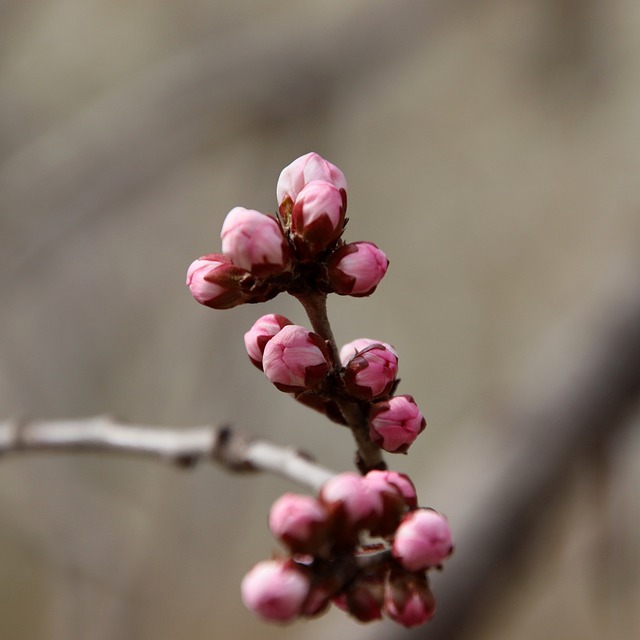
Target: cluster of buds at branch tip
324, 536
362, 543
299, 251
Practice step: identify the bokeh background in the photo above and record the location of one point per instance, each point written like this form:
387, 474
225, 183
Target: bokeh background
492, 149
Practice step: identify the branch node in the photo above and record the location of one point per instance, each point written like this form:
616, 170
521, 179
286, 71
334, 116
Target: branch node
230, 449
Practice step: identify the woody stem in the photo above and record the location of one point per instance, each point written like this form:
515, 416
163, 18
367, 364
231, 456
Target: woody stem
368, 455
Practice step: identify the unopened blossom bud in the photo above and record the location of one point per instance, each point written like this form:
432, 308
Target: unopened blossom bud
371, 371
395, 423
400, 481
317, 218
360, 344
275, 590
255, 242
295, 359
394, 504
264, 328
351, 503
215, 281
408, 599
355, 269
300, 522
422, 540
303, 170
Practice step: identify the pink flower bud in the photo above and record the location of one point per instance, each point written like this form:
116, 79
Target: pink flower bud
306, 169
385, 483
275, 590
351, 503
408, 599
422, 540
215, 281
300, 522
317, 218
395, 423
400, 481
254, 241
295, 359
264, 328
356, 269
371, 371
351, 348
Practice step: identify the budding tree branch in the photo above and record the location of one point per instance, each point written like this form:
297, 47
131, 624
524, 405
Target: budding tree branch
183, 447
368, 455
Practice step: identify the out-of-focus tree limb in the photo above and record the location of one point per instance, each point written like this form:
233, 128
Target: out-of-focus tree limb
183, 447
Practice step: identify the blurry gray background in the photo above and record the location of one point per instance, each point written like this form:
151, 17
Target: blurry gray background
492, 150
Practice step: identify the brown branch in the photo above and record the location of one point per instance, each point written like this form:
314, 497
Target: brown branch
186, 447
368, 455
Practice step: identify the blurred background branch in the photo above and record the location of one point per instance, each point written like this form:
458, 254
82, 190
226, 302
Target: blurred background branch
183, 447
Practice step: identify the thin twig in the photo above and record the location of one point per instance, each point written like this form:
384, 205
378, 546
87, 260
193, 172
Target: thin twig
368, 455
183, 447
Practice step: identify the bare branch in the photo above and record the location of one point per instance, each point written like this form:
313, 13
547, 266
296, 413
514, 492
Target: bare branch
368, 455
183, 447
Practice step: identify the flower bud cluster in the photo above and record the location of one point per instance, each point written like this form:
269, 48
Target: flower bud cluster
353, 518
298, 361
370, 372
362, 543
300, 250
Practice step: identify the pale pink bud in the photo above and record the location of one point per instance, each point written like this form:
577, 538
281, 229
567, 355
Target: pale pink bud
352, 503
400, 481
408, 599
275, 590
317, 218
306, 169
395, 423
254, 241
371, 372
300, 522
355, 269
360, 344
264, 328
422, 540
295, 359
215, 281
